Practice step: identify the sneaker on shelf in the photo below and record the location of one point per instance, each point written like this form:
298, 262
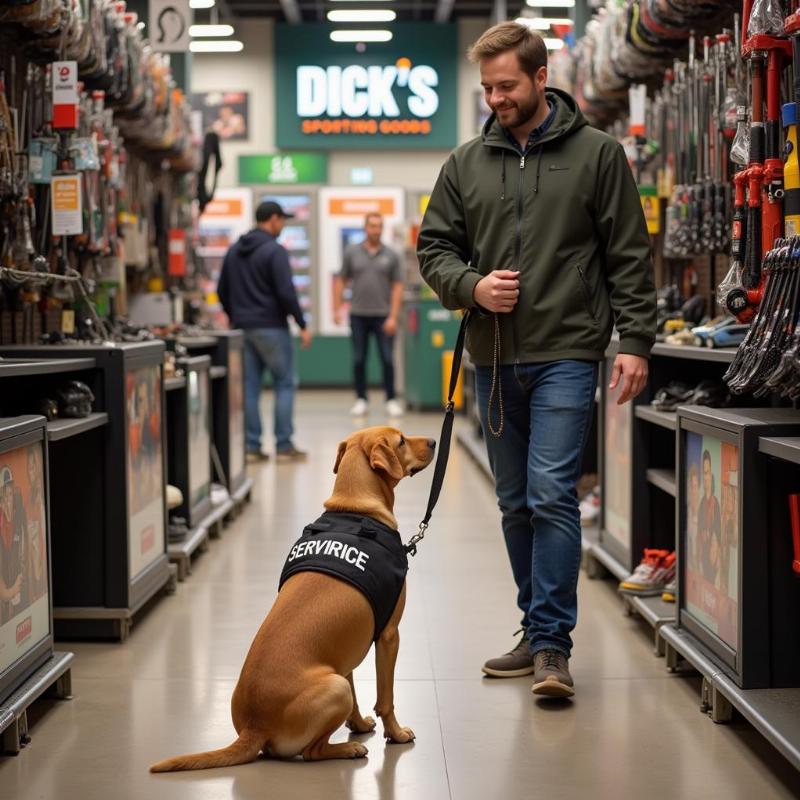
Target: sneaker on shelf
394, 408
290, 454
256, 457
174, 497
654, 572
551, 676
590, 507
670, 592
177, 530
360, 407
219, 494
513, 664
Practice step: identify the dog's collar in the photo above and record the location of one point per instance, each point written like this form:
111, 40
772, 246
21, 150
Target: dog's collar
350, 522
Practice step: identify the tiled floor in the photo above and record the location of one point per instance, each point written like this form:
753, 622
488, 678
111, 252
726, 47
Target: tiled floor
633, 731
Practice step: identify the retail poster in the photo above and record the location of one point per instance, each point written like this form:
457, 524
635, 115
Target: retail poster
225, 113
199, 437
712, 534
145, 467
617, 474
236, 412
225, 219
342, 213
24, 602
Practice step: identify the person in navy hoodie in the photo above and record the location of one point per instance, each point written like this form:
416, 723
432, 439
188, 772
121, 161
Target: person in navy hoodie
257, 293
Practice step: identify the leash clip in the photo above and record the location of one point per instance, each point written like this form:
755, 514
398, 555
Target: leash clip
450, 407
411, 547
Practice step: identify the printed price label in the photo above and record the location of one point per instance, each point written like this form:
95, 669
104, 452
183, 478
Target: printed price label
67, 212
67, 322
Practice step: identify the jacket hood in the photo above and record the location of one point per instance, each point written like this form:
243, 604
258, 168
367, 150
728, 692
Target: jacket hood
568, 119
253, 239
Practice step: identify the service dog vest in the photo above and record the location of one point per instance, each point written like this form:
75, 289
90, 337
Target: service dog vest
360, 550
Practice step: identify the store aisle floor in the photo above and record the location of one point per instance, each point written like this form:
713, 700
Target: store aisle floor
632, 731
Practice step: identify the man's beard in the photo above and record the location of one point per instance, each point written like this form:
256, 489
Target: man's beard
524, 113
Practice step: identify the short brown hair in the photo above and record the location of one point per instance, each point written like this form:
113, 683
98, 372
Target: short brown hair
527, 44
372, 215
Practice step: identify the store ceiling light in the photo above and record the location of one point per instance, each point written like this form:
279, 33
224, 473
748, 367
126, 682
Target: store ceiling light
551, 3
361, 36
357, 15
543, 23
210, 30
216, 46
360, 1
201, 3
553, 44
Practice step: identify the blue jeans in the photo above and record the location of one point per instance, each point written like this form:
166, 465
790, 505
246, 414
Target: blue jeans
536, 463
361, 328
269, 348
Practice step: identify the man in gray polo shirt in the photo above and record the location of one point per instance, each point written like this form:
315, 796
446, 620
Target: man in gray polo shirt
375, 275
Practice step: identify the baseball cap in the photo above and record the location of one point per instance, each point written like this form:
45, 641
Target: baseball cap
268, 209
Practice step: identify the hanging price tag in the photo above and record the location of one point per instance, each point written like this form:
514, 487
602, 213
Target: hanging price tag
66, 207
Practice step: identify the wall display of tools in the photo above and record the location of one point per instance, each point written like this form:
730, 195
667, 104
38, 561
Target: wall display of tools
718, 138
97, 162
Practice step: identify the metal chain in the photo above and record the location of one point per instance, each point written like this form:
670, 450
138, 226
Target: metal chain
497, 384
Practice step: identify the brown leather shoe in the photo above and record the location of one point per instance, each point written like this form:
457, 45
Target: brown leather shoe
513, 664
551, 676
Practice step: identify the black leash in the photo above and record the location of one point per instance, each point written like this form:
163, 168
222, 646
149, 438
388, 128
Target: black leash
444, 439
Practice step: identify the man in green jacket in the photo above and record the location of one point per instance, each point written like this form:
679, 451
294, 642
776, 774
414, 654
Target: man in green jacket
537, 226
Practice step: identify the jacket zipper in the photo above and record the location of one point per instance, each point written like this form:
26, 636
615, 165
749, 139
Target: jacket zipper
587, 294
518, 242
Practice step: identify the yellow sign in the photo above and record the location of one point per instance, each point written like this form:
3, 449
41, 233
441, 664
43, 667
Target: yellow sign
423, 204
66, 209
437, 339
651, 206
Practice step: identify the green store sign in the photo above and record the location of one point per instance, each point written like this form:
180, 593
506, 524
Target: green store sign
400, 94
284, 168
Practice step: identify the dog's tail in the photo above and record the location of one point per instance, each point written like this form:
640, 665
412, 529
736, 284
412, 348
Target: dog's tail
244, 750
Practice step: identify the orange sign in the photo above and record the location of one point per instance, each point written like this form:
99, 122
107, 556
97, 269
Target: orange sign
358, 206
65, 193
229, 207
65, 197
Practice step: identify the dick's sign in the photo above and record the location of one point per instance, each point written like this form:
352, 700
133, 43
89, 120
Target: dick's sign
395, 95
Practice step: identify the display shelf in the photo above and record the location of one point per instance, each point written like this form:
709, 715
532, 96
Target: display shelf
13, 711
180, 553
785, 448
663, 479
655, 612
724, 355
59, 429
216, 517
774, 713
171, 384
665, 419
12, 367
217, 372
618, 570
197, 342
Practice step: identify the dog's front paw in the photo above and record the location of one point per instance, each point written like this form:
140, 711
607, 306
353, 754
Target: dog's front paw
400, 736
361, 725
358, 750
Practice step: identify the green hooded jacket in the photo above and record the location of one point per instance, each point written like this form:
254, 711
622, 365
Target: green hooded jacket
567, 215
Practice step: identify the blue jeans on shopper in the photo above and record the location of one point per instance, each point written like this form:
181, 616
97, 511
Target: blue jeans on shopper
269, 348
536, 463
361, 328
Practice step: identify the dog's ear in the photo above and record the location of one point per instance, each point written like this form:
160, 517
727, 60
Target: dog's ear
383, 456
339, 453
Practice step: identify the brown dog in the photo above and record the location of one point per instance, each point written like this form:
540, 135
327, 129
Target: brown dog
296, 685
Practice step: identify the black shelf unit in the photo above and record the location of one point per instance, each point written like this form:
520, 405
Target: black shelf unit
640, 463
731, 594
59, 429
189, 439
109, 504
